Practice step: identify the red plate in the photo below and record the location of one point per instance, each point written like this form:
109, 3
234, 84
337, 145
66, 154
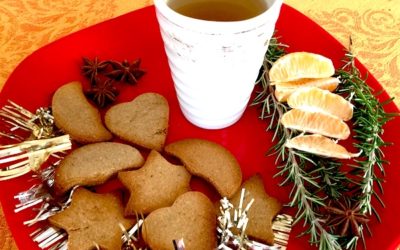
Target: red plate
136, 35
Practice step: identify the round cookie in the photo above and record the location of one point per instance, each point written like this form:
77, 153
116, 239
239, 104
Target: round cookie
76, 116
143, 121
209, 161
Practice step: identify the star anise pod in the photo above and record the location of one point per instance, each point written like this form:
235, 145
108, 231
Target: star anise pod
91, 68
103, 92
346, 217
125, 71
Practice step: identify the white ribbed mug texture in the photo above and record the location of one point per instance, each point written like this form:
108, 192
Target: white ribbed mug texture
214, 65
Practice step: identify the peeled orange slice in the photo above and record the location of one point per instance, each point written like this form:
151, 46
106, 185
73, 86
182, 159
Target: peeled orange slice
299, 65
319, 145
316, 122
315, 99
325, 83
284, 89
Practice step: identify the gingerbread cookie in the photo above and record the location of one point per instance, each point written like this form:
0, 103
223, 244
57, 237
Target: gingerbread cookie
210, 161
76, 116
143, 121
94, 164
92, 219
191, 218
157, 184
262, 212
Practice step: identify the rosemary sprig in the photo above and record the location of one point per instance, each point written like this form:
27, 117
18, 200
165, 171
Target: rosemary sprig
369, 119
298, 167
317, 180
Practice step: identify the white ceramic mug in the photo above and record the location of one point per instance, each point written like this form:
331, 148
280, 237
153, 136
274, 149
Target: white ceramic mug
214, 65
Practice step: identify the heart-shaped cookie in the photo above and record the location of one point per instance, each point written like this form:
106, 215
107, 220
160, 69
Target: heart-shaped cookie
143, 121
191, 218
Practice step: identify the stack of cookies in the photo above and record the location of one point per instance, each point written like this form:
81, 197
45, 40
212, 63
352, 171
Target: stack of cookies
156, 188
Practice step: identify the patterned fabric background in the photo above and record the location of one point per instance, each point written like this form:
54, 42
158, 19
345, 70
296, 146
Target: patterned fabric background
375, 29
26, 25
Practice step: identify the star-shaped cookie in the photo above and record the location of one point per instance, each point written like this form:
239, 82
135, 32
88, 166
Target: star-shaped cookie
157, 184
92, 219
262, 212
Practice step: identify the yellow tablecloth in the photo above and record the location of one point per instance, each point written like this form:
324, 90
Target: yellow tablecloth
26, 25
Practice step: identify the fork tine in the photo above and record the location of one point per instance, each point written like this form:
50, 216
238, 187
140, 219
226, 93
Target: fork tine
19, 121
12, 136
10, 158
20, 109
9, 111
11, 150
21, 171
7, 170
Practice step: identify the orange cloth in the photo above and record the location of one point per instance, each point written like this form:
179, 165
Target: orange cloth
26, 25
374, 26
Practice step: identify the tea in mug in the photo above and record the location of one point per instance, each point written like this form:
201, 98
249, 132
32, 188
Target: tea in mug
219, 10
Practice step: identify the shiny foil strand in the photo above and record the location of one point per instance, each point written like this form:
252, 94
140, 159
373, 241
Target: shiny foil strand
57, 239
236, 218
130, 234
179, 244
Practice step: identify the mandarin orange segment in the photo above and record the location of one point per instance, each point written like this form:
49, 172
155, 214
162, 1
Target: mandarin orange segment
327, 83
319, 145
284, 89
316, 122
297, 65
315, 99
